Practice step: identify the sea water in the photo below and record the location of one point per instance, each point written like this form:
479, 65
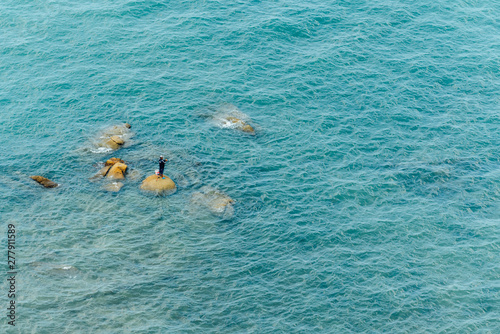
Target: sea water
367, 202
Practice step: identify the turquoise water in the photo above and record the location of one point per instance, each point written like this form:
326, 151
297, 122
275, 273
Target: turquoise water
367, 202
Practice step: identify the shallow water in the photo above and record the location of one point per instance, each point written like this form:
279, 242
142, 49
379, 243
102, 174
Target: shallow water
367, 202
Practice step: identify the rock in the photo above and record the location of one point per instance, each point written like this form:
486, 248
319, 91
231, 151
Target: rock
112, 161
109, 143
228, 116
107, 167
117, 171
101, 173
113, 142
64, 269
114, 137
117, 130
117, 140
248, 128
113, 186
55, 269
156, 184
215, 201
44, 181
133, 174
238, 124
104, 170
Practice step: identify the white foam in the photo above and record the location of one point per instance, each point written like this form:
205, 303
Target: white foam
101, 150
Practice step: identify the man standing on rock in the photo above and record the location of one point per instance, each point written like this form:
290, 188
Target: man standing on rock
162, 165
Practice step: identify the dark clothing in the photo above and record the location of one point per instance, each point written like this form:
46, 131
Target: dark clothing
162, 165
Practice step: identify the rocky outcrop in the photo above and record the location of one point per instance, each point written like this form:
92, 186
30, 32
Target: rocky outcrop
112, 161
217, 202
156, 184
44, 181
113, 142
114, 137
114, 169
117, 171
113, 186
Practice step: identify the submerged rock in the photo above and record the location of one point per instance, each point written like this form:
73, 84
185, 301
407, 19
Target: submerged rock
55, 269
236, 123
114, 186
102, 172
217, 202
117, 130
133, 174
229, 116
155, 183
114, 142
44, 181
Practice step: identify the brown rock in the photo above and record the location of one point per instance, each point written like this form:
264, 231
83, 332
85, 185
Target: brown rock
117, 171
110, 143
112, 161
248, 129
159, 185
117, 140
113, 142
44, 181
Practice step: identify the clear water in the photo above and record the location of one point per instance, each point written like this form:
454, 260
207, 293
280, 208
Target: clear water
368, 201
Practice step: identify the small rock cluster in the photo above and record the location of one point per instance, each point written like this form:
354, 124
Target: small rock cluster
114, 137
115, 169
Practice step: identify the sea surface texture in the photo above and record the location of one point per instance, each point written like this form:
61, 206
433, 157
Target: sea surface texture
368, 200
